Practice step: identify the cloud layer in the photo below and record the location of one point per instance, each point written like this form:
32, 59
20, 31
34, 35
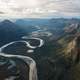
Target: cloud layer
39, 8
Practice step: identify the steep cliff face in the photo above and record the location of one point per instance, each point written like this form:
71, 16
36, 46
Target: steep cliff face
75, 69
71, 50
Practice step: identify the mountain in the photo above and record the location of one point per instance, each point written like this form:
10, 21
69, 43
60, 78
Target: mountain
55, 26
9, 31
32, 22
46, 22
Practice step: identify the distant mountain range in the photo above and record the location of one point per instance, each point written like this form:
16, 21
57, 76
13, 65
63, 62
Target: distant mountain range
10, 31
34, 22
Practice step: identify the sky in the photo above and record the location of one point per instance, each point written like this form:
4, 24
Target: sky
39, 8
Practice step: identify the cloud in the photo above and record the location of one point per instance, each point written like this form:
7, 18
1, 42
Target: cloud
39, 8
2, 12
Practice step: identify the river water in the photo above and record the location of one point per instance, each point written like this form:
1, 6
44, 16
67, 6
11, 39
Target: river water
29, 61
